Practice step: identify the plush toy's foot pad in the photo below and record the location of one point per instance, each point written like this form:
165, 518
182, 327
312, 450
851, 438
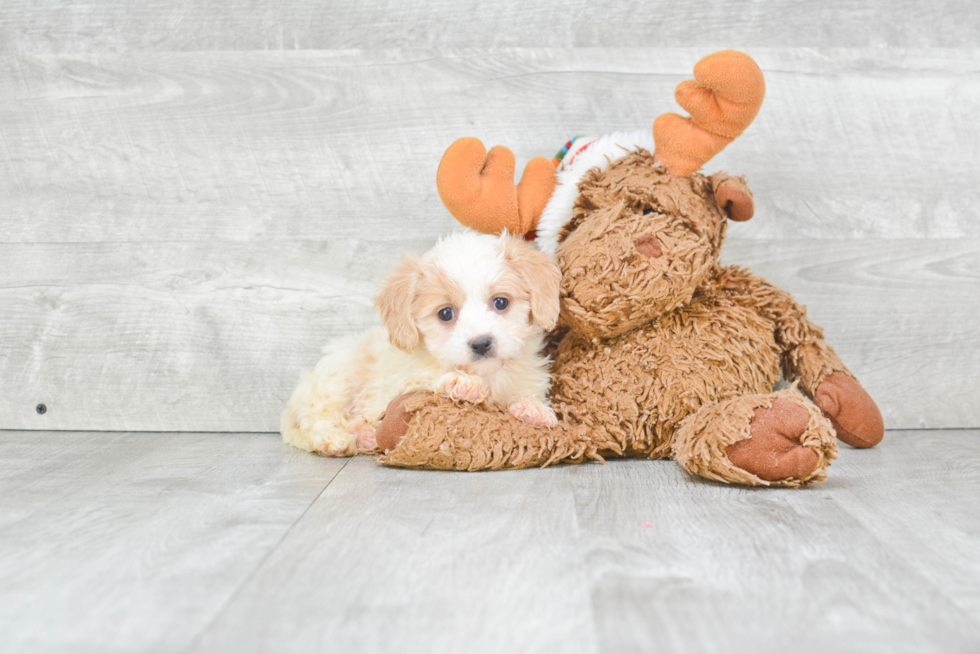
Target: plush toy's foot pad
430, 430
394, 425
774, 450
852, 412
775, 439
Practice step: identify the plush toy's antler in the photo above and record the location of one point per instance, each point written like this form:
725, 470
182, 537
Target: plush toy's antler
723, 99
478, 187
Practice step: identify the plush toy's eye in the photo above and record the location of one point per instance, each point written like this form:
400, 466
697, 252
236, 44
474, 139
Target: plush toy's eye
446, 314
500, 303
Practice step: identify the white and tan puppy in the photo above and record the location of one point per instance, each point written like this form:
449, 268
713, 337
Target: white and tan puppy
466, 319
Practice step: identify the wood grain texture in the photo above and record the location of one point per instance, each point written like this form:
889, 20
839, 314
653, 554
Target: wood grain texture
190, 211
722, 569
196, 196
943, 543
66, 27
900, 313
168, 336
209, 543
634, 556
134, 542
204, 146
213, 337
406, 561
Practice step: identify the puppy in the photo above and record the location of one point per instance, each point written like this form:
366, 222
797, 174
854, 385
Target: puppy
467, 319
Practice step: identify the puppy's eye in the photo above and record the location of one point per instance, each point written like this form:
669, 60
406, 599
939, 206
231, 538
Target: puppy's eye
446, 314
500, 303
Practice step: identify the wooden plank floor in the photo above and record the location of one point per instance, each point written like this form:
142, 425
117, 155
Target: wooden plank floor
178, 542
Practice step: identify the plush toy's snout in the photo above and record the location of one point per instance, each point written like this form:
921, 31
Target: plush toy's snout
649, 246
654, 249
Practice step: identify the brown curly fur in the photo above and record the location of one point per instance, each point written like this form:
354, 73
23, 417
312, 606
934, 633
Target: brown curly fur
659, 356
454, 436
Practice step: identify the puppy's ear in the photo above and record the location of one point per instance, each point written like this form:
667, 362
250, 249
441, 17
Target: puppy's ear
541, 275
395, 302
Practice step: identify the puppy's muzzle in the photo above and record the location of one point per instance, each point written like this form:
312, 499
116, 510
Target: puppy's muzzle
482, 346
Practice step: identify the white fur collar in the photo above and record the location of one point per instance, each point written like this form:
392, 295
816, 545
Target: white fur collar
599, 154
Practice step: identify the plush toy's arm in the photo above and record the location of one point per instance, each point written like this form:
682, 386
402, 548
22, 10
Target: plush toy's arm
806, 355
809, 360
426, 430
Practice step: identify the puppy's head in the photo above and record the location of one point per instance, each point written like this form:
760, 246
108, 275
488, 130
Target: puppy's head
473, 300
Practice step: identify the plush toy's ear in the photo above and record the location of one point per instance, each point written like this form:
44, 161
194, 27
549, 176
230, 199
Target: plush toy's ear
478, 188
723, 99
396, 301
733, 196
542, 277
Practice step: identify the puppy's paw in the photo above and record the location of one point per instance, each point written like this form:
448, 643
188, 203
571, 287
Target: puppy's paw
330, 440
462, 387
533, 412
365, 438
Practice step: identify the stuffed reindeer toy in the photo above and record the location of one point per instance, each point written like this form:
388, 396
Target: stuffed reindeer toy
660, 351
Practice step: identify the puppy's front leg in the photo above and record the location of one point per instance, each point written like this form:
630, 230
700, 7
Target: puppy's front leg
532, 411
461, 386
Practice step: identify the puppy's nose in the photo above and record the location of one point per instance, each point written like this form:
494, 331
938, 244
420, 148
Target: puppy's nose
481, 345
648, 246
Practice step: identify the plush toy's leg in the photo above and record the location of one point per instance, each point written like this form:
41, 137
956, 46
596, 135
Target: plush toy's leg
429, 430
825, 379
778, 439
855, 416
808, 359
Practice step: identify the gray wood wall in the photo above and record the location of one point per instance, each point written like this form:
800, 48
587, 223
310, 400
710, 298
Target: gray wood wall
195, 198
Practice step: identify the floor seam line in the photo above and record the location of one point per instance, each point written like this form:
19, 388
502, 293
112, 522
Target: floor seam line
251, 575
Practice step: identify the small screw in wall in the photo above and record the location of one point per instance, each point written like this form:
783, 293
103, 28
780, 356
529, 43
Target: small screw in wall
41, 409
